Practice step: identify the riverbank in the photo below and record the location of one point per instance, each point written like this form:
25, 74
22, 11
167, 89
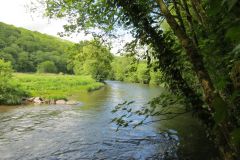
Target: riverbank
54, 86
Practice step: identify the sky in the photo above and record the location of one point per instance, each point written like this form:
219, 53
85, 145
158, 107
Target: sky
16, 12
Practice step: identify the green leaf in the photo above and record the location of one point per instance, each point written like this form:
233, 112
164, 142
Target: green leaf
235, 136
233, 33
220, 107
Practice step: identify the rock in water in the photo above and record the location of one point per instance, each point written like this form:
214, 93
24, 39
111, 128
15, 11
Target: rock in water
38, 100
71, 103
61, 102
31, 99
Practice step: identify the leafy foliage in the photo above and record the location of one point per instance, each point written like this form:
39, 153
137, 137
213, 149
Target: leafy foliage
10, 93
128, 68
26, 49
91, 58
164, 107
47, 67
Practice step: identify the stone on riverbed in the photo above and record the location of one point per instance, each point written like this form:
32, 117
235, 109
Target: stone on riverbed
30, 99
38, 100
61, 102
71, 103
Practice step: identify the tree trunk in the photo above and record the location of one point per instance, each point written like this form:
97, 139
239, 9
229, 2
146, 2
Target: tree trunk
166, 57
200, 13
192, 52
225, 147
190, 22
181, 23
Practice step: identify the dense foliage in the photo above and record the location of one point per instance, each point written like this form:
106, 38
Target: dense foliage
91, 58
35, 52
196, 51
27, 49
10, 93
47, 67
130, 69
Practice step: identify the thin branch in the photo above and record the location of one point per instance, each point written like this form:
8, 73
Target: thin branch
169, 118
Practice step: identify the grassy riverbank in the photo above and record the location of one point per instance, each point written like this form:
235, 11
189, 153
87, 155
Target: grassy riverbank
53, 86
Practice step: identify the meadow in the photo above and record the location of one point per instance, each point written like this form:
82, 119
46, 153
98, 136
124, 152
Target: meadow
54, 86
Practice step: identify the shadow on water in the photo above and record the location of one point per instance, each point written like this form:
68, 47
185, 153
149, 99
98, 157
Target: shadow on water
85, 132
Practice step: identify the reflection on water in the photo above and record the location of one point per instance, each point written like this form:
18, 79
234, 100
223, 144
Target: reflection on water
84, 132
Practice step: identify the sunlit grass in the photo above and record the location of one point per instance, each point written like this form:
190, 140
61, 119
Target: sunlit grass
53, 86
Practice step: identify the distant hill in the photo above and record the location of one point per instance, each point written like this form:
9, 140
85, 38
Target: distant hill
26, 49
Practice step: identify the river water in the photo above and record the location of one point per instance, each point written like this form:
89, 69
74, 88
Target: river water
84, 131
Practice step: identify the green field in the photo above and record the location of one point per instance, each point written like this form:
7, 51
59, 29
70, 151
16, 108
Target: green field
53, 86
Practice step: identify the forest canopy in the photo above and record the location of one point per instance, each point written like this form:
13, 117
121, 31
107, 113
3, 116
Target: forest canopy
27, 49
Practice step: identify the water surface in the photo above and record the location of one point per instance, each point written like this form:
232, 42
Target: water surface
84, 131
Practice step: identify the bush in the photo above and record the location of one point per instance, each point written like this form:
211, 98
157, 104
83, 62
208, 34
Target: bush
47, 67
9, 92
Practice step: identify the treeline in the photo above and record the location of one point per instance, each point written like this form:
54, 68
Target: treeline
131, 69
95, 59
30, 51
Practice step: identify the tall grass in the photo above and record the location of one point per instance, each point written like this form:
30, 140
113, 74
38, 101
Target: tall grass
53, 86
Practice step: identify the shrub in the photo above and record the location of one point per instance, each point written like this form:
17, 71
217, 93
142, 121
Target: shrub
47, 67
10, 93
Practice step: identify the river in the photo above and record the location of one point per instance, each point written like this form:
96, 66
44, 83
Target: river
84, 131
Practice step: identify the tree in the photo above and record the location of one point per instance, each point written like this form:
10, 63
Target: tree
124, 69
156, 77
192, 52
91, 58
47, 67
2, 44
7, 57
143, 73
189, 41
24, 63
